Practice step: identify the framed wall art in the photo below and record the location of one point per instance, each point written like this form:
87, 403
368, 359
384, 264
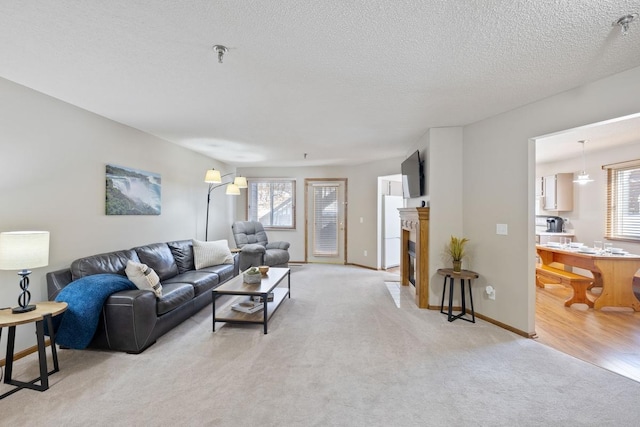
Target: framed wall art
132, 191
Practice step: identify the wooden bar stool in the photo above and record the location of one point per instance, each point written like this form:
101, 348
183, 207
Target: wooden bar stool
463, 275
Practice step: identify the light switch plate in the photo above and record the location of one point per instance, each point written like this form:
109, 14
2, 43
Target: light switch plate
502, 229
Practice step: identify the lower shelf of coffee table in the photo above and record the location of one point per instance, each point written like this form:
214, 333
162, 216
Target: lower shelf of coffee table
228, 315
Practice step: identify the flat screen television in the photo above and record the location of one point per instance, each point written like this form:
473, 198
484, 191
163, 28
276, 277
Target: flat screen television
413, 176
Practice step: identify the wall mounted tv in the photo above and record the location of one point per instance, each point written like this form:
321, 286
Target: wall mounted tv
413, 176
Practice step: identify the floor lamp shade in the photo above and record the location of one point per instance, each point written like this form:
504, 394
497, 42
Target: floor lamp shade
22, 250
241, 182
213, 177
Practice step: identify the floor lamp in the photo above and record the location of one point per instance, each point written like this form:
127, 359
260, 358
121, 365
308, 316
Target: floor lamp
214, 179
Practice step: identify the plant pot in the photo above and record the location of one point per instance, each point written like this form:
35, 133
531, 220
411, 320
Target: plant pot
457, 266
252, 278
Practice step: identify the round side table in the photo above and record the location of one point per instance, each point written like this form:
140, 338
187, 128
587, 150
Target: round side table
463, 275
44, 312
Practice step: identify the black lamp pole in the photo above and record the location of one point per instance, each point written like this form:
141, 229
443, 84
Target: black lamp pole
211, 188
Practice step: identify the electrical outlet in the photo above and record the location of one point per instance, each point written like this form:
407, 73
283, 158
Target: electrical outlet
365, 252
491, 292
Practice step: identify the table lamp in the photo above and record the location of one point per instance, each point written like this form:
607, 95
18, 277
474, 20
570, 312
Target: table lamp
21, 250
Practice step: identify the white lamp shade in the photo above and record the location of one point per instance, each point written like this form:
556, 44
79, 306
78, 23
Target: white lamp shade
213, 177
233, 190
240, 181
20, 250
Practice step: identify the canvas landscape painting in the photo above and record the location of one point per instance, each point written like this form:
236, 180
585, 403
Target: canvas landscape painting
132, 191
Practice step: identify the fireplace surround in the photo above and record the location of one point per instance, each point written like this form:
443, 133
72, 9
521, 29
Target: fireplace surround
414, 259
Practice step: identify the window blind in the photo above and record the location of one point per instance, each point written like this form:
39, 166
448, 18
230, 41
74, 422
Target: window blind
325, 220
623, 200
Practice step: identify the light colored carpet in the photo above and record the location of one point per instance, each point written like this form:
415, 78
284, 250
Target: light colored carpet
340, 352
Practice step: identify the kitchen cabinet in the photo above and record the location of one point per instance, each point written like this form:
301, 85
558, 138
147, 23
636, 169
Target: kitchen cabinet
539, 187
557, 192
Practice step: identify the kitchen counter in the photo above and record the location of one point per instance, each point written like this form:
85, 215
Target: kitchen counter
549, 233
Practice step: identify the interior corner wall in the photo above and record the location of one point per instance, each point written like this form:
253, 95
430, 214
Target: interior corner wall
498, 187
52, 170
362, 199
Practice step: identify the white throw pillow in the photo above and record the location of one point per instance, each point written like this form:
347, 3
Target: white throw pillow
144, 277
206, 254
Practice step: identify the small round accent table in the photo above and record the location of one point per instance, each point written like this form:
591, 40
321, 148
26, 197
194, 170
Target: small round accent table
463, 275
43, 313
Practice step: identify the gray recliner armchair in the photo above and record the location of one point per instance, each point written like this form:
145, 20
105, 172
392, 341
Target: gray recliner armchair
255, 247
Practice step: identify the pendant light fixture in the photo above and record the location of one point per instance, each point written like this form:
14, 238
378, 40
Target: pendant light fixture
583, 177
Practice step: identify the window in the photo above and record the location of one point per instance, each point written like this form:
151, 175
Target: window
272, 202
623, 200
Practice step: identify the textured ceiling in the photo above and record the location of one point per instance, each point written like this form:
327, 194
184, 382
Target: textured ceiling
344, 81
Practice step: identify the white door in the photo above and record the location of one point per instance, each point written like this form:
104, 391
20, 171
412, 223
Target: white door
325, 220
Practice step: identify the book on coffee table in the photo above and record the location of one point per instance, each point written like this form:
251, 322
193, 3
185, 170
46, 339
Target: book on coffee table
247, 307
258, 298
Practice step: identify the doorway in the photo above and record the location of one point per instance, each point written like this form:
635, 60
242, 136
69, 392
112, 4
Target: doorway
325, 220
606, 344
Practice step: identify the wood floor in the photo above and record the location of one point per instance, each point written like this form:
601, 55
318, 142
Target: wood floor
609, 339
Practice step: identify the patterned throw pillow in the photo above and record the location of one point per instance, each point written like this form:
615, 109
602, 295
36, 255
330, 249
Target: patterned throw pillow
207, 254
144, 277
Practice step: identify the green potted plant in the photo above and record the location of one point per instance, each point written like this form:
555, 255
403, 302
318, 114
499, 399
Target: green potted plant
455, 250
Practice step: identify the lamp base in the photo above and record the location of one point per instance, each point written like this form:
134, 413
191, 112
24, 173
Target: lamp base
24, 309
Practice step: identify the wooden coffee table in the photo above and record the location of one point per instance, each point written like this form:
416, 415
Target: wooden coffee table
244, 291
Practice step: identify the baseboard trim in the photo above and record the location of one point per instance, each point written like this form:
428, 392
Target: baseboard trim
492, 321
362, 266
24, 353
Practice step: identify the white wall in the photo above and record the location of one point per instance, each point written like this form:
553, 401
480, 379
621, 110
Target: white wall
590, 200
445, 178
362, 188
52, 177
498, 187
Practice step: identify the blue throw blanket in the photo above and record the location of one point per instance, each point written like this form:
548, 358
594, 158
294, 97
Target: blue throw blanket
85, 298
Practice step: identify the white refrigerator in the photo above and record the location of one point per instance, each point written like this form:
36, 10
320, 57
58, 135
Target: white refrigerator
391, 230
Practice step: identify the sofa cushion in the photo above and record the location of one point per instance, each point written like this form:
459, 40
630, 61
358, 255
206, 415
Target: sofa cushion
200, 281
206, 254
224, 271
158, 256
111, 262
173, 296
182, 251
144, 277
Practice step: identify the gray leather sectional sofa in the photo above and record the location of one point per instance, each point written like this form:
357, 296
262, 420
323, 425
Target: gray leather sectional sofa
132, 320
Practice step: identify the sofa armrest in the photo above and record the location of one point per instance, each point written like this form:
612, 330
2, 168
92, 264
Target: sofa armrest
236, 264
278, 245
253, 248
129, 319
56, 280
